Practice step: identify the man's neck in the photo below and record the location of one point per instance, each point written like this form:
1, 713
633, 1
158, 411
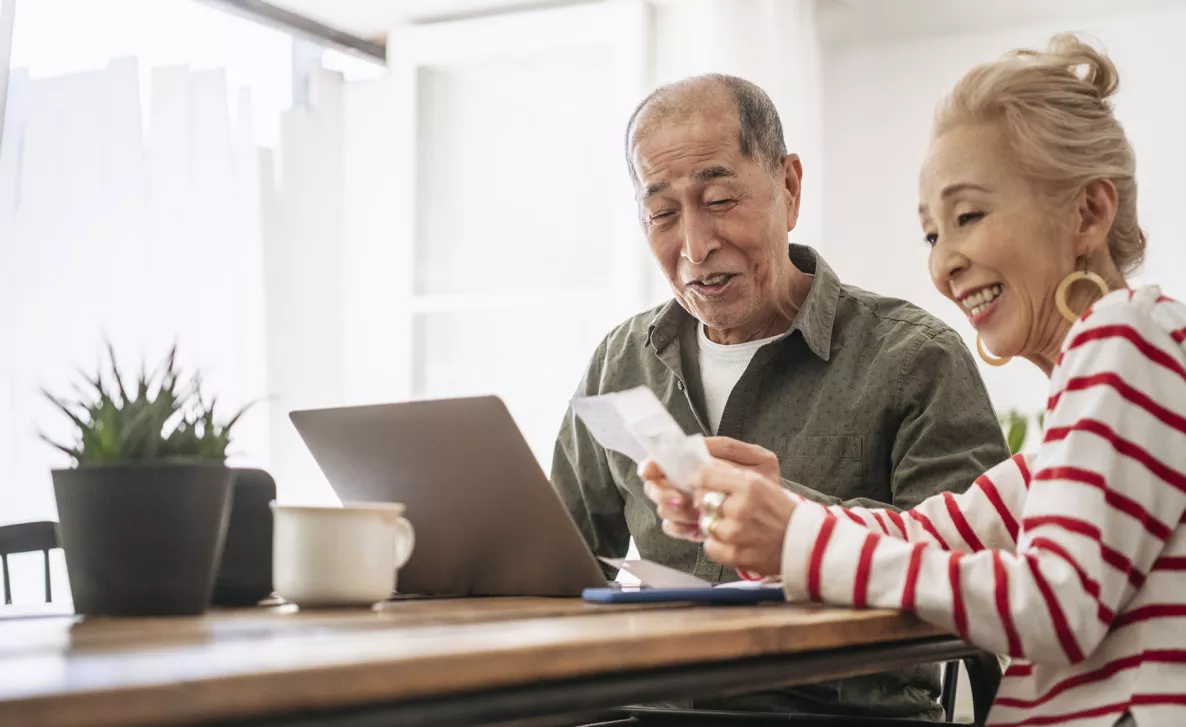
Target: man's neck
776, 317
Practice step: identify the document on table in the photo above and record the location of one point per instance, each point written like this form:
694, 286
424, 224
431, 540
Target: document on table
635, 423
653, 575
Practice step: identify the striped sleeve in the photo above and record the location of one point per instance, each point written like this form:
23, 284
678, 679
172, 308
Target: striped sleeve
1108, 485
984, 516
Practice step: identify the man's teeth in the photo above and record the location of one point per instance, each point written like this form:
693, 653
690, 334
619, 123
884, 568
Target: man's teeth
978, 301
714, 279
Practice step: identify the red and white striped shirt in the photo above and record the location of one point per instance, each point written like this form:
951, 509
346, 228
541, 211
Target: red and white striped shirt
1073, 560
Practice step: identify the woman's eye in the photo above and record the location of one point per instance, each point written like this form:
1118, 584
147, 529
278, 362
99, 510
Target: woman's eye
931, 238
968, 218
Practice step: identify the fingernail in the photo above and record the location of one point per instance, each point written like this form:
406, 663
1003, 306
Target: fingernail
675, 502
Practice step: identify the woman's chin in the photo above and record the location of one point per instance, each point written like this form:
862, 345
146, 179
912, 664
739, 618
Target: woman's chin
1000, 346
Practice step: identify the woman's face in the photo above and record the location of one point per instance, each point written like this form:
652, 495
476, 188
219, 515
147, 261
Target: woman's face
999, 248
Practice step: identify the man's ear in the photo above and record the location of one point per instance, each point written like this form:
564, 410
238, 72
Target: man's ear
792, 180
1095, 211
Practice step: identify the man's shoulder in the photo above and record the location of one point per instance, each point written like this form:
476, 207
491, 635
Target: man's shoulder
623, 359
633, 332
883, 315
896, 330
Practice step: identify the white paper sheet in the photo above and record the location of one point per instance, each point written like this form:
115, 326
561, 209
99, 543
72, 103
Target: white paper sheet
605, 422
657, 576
653, 575
635, 423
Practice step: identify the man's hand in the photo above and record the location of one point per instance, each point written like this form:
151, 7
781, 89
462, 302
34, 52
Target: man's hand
746, 456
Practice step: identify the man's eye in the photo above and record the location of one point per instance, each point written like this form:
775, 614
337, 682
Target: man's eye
931, 239
968, 218
719, 202
659, 215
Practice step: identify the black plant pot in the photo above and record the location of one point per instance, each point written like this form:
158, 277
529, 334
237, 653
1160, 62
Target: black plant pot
142, 539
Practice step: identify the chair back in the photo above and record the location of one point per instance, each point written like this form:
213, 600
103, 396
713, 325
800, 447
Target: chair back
27, 538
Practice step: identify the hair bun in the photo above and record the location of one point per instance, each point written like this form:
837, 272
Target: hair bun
1086, 62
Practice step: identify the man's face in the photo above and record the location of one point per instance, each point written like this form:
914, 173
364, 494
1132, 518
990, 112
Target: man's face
716, 220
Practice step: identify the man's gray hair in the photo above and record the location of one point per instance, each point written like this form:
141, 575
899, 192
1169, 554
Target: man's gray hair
759, 132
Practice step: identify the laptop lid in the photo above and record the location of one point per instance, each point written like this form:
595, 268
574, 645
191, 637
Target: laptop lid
488, 522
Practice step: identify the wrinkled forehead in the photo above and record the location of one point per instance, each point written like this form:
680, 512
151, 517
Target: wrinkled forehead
694, 121
964, 155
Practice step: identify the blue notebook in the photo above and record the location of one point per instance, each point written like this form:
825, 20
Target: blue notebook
717, 596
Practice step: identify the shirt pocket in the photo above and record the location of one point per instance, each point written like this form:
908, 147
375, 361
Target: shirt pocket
833, 465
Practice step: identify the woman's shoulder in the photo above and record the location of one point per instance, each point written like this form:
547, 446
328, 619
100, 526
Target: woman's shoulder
1135, 337
1144, 308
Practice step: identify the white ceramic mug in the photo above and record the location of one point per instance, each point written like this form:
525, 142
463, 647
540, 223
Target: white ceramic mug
339, 556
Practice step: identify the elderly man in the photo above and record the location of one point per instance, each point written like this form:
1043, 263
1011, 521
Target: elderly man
863, 399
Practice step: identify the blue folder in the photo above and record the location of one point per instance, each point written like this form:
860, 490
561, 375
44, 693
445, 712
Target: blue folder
716, 596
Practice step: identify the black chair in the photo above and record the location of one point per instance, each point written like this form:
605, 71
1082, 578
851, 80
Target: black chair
984, 676
27, 538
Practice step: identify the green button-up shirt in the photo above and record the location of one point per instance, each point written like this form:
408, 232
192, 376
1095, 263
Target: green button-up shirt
869, 401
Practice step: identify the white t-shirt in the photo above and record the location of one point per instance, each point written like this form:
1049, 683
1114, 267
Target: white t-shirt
721, 366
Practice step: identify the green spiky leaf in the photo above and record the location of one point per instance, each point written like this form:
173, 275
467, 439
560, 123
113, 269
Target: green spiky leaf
167, 419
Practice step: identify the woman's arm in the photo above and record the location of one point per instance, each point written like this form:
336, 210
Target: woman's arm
1108, 487
985, 516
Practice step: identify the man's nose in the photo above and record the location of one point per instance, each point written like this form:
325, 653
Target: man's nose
700, 238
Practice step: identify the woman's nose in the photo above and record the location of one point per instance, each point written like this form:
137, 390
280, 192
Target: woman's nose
947, 264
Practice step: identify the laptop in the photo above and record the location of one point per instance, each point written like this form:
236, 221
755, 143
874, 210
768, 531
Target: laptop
487, 520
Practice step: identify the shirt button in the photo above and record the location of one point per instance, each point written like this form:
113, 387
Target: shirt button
679, 385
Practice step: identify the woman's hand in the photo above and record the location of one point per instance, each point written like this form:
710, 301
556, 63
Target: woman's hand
680, 517
751, 521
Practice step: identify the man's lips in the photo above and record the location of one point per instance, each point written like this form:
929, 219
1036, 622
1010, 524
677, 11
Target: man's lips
713, 287
713, 280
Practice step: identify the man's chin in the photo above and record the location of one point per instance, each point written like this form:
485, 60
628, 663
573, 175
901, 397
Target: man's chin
719, 320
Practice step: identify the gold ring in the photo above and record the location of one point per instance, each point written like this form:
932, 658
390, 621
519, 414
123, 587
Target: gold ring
712, 502
708, 524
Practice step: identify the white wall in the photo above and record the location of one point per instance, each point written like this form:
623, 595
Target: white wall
878, 102
773, 43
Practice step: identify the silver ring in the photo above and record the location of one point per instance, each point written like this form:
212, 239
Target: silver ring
708, 524
712, 502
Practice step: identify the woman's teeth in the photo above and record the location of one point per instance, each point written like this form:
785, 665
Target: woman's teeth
978, 301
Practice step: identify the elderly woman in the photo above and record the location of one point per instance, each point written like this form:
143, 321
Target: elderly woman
1071, 560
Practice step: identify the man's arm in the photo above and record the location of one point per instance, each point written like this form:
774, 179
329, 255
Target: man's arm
948, 434
582, 477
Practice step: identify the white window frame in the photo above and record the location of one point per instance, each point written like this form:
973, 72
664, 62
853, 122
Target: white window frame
391, 307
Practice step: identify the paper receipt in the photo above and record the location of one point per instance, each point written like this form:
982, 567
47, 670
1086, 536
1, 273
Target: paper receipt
635, 423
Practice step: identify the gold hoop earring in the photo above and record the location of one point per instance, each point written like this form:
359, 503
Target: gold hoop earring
1060, 296
989, 358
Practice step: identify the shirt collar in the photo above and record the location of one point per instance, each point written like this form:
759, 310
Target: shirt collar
814, 321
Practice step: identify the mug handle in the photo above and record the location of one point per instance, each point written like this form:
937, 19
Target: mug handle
406, 542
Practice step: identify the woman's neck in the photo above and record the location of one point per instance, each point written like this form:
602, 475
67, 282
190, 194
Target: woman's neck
1047, 358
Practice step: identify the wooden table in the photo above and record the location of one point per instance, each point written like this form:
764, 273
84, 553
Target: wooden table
438, 662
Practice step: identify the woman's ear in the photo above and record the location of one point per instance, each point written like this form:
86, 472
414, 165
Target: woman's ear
1095, 210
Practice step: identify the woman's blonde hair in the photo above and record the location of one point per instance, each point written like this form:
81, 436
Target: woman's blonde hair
1053, 106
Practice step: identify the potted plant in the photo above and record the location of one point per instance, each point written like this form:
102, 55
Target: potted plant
143, 513
1016, 426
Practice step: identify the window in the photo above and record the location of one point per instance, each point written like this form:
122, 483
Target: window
135, 148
